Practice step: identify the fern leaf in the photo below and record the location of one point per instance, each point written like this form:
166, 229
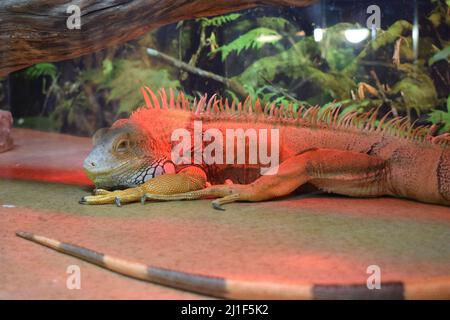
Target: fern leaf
254, 39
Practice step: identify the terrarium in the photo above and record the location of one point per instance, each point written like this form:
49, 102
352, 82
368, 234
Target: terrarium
273, 149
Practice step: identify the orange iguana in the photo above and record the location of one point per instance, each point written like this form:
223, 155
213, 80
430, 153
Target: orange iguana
351, 154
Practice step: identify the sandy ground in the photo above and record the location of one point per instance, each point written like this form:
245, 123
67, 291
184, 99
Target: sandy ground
320, 239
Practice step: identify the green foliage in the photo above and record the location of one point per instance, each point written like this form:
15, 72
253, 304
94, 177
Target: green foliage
253, 39
124, 78
41, 70
335, 49
441, 55
266, 94
383, 39
108, 67
349, 105
297, 63
439, 116
391, 34
275, 23
219, 20
439, 14
416, 88
38, 122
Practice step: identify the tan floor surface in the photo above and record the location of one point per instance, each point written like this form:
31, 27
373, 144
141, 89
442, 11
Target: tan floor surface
320, 239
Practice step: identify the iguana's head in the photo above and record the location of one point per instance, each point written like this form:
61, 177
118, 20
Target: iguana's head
120, 158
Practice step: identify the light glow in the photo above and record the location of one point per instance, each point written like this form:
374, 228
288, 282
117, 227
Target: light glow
356, 35
318, 34
264, 38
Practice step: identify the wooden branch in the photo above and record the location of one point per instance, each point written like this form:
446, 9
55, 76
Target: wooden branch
235, 86
33, 31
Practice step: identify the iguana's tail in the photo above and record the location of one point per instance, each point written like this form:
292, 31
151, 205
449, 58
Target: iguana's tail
238, 289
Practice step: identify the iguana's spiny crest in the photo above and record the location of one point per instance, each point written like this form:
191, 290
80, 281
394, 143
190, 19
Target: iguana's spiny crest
137, 149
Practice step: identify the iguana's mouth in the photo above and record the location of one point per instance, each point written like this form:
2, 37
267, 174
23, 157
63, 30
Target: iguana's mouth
130, 174
92, 172
120, 176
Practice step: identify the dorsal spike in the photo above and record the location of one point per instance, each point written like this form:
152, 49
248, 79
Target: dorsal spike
284, 111
233, 107
316, 115
215, 106
249, 106
201, 105
276, 112
154, 98
187, 103
210, 102
266, 108
382, 120
239, 108
403, 129
372, 119
300, 110
305, 115
362, 119
171, 99
258, 108
389, 125
163, 95
348, 119
272, 108
146, 98
324, 116
221, 106
336, 113
179, 104
227, 106
196, 107
411, 128
245, 105
290, 113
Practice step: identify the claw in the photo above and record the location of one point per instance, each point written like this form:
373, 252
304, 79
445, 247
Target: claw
143, 199
117, 201
100, 192
217, 206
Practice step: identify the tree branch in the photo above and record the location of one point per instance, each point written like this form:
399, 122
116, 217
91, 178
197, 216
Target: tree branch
233, 85
33, 31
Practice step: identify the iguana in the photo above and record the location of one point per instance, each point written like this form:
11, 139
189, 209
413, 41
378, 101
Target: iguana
351, 154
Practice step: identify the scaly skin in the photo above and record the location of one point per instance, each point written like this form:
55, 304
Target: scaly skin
349, 155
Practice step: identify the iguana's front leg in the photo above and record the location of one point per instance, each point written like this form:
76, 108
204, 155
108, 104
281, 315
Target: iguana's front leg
188, 179
344, 172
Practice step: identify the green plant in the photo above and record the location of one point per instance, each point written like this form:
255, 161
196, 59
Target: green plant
439, 116
123, 78
41, 70
253, 39
440, 55
219, 21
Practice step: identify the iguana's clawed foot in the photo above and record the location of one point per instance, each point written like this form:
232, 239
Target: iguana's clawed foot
217, 204
99, 192
226, 193
118, 197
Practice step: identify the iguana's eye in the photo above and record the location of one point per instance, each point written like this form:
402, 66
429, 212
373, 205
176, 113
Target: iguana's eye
122, 146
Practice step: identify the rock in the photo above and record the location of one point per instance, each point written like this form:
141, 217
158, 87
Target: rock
6, 122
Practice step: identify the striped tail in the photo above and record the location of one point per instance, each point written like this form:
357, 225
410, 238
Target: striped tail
237, 289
